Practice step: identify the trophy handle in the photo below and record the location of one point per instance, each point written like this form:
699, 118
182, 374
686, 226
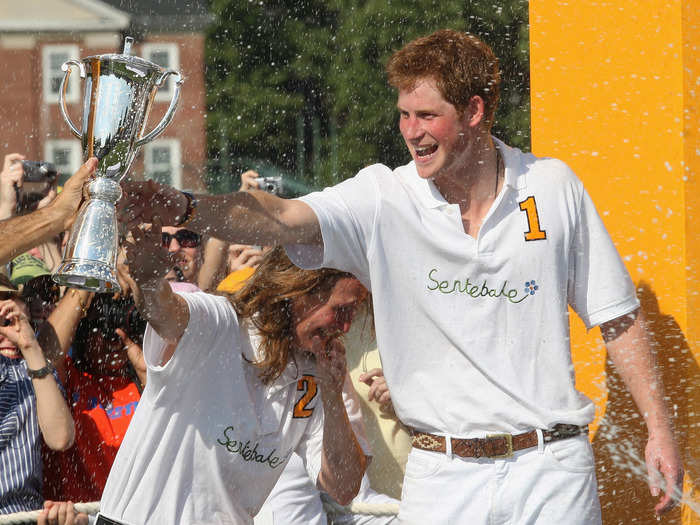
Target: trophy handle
171, 109
62, 93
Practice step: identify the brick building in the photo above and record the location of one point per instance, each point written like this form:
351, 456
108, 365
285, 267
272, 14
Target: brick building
37, 36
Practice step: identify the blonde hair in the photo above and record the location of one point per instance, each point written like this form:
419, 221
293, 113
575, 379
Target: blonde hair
266, 301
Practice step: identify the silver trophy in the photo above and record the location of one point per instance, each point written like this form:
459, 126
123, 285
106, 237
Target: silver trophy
119, 93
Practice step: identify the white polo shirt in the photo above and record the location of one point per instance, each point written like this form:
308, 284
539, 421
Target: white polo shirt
295, 498
209, 440
473, 333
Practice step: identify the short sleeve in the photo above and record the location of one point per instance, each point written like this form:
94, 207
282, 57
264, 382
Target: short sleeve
310, 447
600, 288
208, 316
346, 214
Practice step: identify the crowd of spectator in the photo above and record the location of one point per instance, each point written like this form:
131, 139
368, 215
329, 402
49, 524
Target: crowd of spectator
71, 366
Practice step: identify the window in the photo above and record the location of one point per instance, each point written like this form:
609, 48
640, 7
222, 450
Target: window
162, 162
65, 155
53, 58
168, 57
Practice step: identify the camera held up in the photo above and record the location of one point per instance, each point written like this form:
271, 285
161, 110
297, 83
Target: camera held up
270, 184
39, 177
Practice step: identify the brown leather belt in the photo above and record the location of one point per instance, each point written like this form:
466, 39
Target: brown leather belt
495, 445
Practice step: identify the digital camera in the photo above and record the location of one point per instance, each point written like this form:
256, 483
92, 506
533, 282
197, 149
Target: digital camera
270, 184
39, 177
39, 171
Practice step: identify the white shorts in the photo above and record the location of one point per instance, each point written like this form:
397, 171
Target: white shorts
547, 485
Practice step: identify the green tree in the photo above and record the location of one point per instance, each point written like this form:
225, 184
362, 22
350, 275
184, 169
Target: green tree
299, 86
266, 64
505, 27
364, 104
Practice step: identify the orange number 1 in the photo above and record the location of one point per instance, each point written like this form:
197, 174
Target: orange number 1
533, 220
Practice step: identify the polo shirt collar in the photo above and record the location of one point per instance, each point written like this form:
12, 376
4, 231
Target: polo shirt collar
295, 368
431, 197
511, 159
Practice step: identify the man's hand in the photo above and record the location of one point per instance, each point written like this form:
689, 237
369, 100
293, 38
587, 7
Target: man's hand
243, 256
378, 389
61, 513
18, 331
12, 176
248, 180
665, 472
68, 201
147, 259
330, 364
143, 201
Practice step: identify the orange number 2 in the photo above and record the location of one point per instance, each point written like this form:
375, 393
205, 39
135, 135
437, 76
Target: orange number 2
306, 384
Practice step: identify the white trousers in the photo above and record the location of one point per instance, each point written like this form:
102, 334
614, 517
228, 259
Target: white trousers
548, 485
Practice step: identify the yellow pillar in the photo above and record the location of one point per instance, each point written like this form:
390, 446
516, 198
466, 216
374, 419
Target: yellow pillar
615, 89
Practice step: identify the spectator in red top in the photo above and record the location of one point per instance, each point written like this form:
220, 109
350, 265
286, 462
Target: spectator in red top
103, 376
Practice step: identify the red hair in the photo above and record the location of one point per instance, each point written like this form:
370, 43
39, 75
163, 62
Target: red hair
461, 65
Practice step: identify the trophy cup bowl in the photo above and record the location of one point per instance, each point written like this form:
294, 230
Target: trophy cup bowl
118, 96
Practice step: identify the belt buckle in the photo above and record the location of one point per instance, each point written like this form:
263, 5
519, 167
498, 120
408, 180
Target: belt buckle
509, 445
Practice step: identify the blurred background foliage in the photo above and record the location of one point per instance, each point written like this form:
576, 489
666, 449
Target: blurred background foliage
297, 87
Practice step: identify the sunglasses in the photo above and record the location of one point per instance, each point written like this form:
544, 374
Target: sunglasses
185, 238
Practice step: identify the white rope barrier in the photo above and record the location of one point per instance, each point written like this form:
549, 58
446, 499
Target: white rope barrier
33, 515
331, 507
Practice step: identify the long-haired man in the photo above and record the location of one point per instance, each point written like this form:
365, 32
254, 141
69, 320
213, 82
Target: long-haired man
234, 386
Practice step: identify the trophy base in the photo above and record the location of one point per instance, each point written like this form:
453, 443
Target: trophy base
93, 276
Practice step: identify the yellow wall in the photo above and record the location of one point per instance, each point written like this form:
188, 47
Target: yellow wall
614, 95
691, 156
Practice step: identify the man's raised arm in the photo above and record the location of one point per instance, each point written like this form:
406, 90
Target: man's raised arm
252, 217
24, 232
149, 262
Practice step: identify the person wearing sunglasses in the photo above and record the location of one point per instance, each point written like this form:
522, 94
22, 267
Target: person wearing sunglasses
185, 247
